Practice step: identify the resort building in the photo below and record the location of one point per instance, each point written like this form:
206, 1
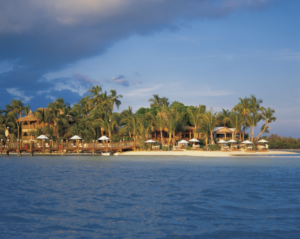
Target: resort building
227, 133
29, 124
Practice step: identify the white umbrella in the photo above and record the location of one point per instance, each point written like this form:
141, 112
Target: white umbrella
183, 142
262, 141
247, 142
103, 138
75, 137
222, 142
231, 141
194, 140
42, 137
150, 141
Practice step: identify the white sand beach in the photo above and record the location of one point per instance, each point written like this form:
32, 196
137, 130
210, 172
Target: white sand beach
204, 153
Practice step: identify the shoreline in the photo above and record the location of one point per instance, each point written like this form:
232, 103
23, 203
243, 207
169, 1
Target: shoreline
205, 153
178, 153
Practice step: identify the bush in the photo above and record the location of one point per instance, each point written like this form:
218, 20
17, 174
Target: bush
215, 147
117, 138
278, 142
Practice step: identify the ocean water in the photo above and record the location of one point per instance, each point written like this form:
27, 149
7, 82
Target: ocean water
149, 197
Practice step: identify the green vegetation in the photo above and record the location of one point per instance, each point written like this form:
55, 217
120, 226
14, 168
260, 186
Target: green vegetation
95, 115
277, 142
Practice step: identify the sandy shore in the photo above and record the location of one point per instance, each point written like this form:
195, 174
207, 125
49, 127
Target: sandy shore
203, 153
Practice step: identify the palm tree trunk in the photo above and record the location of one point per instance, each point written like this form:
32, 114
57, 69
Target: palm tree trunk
252, 134
212, 139
161, 136
257, 137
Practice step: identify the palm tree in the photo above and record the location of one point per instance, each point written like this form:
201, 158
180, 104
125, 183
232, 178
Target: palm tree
252, 120
172, 117
243, 107
160, 123
55, 114
40, 114
95, 94
18, 108
155, 101
236, 121
256, 110
131, 123
115, 99
210, 119
268, 116
224, 117
204, 129
109, 122
164, 102
194, 114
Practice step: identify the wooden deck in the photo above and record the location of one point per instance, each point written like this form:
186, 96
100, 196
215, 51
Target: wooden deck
67, 147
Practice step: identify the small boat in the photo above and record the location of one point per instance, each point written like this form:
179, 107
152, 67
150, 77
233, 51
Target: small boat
106, 153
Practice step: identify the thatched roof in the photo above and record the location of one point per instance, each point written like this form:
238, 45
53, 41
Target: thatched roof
29, 118
222, 130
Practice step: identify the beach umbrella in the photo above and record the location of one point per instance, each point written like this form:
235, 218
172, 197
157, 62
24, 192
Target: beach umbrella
247, 142
42, 137
262, 141
222, 142
194, 140
103, 138
232, 141
183, 142
150, 141
76, 137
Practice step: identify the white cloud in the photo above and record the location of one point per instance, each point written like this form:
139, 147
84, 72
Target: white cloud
19, 94
142, 91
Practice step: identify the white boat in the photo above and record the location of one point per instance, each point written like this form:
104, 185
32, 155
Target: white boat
106, 154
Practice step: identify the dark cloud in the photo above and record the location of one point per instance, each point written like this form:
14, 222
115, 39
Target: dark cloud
46, 36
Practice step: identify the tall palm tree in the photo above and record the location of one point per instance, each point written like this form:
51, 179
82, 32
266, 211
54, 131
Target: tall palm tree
18, 108
204, 129
210, 119
243, 107
268, 116
95, 94
164, 101
55, 114
236, 121
195, 114
252, 120
131, 123
155, 101
255, 111
115, 99
160, 123
109, 122
224, 117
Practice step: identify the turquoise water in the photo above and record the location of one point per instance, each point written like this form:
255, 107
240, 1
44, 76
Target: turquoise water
147, 197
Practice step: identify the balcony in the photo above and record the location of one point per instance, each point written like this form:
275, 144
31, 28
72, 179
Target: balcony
36, 126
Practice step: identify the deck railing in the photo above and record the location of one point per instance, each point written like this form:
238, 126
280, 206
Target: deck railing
36, 126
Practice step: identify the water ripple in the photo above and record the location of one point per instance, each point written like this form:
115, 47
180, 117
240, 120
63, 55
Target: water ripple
166, 198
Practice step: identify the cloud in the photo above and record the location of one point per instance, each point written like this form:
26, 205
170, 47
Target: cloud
19, 94
40, 37
120, 80
142, 91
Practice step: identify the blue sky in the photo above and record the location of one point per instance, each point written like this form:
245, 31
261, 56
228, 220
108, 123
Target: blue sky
195, 52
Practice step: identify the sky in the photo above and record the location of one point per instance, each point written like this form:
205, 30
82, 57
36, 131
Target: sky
193, 51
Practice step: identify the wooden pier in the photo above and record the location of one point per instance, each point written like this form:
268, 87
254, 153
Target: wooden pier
65, 147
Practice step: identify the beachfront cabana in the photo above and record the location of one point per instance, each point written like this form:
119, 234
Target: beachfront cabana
227, 133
